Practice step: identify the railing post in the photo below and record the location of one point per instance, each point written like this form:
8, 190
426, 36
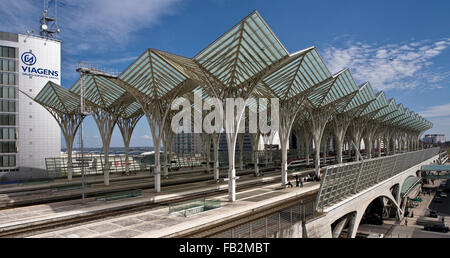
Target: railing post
291, 216
321, 187
393, 167
266, 227
279, 222
358, 178
379, 170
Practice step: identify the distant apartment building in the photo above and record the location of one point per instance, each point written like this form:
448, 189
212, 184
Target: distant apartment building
434, 138
28, 132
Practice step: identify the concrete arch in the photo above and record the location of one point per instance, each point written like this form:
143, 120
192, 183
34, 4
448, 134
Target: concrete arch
362, 210
395, 191
338, 225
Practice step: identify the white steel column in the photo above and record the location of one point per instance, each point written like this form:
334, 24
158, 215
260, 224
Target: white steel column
369, 134
356, 129
106, 122
318, 121
126, 127
254, 137
241, 150
340, 124
216, 139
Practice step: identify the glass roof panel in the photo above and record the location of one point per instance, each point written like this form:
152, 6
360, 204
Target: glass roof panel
256, 49
58, 98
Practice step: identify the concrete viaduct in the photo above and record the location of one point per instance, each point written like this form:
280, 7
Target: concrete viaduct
348, 211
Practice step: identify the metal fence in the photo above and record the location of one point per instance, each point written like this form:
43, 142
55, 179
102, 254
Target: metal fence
271, 225
343, 180
58, 167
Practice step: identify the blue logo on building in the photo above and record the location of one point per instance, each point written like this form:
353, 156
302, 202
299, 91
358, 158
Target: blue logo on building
28, 58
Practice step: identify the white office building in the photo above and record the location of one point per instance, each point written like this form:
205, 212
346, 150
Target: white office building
28, 132
434, 138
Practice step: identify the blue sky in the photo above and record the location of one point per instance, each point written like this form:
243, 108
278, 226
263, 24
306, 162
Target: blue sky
361, 35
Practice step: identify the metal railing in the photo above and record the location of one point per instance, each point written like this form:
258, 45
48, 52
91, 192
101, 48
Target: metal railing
271, 225
94, 164
343, 180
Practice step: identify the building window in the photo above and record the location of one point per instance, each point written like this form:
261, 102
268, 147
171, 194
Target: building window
8, 52
8, 147
7, 133
7, 106
7, 92
7, 65
8, 78
8, 161
7, 119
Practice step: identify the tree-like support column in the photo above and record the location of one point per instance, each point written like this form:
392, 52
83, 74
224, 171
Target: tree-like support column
240, 138
307, 140
167, 145
340, 124
356, 129
254, 137
368, 135
157, 122
216, 141
325, 142
106, 122
286, 122
318, 120
232, 125
69, 124
378, 137
126, 127
206, 149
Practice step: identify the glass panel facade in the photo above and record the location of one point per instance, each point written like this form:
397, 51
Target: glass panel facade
8, 98
7, 106
7, 52
8, 161
8, 147
8, 134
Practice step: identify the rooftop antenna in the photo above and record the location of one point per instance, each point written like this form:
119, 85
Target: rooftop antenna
49, 26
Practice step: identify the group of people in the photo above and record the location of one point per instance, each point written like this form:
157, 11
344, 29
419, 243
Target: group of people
298, 182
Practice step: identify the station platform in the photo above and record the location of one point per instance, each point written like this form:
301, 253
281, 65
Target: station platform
22, 217
61, 189
157, 223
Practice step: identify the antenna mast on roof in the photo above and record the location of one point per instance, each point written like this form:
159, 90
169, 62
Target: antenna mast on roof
49, 27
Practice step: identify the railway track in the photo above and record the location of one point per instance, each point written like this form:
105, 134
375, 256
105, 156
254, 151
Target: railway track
49, 195
24, 230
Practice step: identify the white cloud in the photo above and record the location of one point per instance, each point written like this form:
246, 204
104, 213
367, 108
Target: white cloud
88, 24
103, 22
437, 111
404, 65
146, 136
103, 26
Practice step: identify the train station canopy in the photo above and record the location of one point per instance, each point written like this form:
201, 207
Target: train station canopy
247, 60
